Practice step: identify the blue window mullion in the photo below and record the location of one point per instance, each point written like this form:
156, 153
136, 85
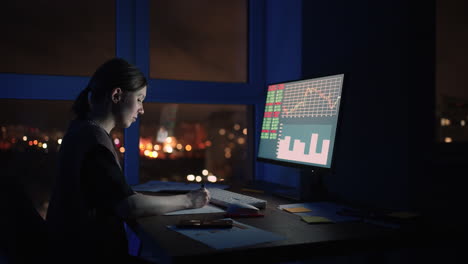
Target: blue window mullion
126, 25
40, 87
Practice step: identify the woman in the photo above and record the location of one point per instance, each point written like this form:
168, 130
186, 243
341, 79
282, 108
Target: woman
91, 198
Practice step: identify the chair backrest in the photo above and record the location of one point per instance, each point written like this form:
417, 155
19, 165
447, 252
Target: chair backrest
24, 231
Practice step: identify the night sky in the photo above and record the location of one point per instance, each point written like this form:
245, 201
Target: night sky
452, 48
56, 37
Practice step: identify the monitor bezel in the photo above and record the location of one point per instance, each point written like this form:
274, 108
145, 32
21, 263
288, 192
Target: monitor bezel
293, 164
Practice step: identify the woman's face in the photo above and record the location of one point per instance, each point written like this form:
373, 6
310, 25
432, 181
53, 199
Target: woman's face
131, 107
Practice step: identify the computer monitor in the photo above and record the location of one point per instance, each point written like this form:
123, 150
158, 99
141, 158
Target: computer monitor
300, 122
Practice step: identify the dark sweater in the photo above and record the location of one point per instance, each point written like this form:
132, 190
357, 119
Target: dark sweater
81, 215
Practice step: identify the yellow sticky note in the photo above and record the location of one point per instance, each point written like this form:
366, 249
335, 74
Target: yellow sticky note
316, 219
403, 215
297, 210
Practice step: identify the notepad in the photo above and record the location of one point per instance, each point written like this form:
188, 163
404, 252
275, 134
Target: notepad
297, 210
240, 235
315, 219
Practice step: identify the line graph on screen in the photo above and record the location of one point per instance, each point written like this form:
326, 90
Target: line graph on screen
318, 98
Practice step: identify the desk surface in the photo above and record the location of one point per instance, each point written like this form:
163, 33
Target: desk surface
303, 240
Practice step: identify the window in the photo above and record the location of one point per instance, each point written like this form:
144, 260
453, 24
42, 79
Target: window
451, 71
199, 40
56, 37
30, 139
31, 135
178, 140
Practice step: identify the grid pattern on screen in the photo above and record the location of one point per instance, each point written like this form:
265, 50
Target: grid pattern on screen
312, 98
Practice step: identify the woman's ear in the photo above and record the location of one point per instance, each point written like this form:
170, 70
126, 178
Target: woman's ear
116, 94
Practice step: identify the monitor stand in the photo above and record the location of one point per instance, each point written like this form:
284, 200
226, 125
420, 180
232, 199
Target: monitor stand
311, 186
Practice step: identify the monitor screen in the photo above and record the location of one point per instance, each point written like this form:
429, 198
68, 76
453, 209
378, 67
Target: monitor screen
300, 121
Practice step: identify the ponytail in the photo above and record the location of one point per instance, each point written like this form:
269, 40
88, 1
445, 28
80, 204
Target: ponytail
81, 105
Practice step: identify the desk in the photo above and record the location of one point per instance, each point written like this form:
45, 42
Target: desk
303, 241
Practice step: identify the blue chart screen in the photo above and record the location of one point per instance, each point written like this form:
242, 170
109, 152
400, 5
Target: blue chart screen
300, 119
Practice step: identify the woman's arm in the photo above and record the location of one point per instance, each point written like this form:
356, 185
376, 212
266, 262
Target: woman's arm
139, 205
105, 185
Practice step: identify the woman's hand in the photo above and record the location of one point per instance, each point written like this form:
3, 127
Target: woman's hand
198, 198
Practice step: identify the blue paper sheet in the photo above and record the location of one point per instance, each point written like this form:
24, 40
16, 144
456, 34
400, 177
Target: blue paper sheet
324, 209
238, 236
207, 209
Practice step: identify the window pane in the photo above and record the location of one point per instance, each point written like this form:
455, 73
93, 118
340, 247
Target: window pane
31, 133
177, 140
56, 37
451, 71
201, 40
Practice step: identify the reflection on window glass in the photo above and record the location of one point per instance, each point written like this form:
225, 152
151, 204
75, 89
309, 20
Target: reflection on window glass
31, 134
56, 37
179, 142
451, 71
201, 40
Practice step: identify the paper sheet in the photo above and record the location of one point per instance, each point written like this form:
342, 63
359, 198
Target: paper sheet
207, 209
315, 219
297, 209
238, 236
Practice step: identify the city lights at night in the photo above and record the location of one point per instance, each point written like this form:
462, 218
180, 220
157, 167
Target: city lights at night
192, 151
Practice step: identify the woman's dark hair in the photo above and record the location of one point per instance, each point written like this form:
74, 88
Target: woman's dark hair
113, 73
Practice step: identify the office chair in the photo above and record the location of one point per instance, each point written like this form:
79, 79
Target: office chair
24, 231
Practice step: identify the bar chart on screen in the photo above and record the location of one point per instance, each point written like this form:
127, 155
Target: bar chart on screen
309, 144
